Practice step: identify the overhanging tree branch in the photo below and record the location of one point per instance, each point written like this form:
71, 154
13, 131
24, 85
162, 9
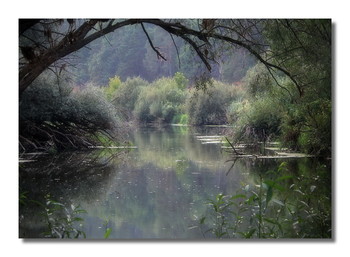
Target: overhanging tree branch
260, 58
181, 31
151, 44
177, 50
75, 39
72, 42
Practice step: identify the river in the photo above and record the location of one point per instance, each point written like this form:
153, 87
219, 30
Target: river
158, 190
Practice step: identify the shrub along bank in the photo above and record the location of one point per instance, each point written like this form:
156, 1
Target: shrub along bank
55, 115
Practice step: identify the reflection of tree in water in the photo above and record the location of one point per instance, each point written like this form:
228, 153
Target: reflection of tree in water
147, 202
305, 193
67, 178
130, 202
164, 147
155, 192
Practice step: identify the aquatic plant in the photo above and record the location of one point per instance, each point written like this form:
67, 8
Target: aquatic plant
61, 221
108, 230
275, 207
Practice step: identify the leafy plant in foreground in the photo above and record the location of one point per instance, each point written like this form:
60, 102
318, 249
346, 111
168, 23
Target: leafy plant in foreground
61, 220
108, 230
271, 208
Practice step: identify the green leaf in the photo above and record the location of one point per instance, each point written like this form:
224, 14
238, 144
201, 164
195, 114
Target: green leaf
108, 233
270, 183
304, 203
282, 166
279, 187
219, 198
298, 190
79, 211
238, 196
273, 184
221, 234
250, 200
77, 219
38, 203
275, 222
248, 234
284, 178
278, 202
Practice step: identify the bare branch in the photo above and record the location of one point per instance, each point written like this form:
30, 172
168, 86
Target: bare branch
151, 44
177, 51
278, 84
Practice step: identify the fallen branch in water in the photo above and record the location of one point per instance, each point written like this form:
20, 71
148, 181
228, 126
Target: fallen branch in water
233, 148
59, 135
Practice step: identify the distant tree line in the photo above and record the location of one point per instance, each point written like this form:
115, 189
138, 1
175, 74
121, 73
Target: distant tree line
287, 90
128, 53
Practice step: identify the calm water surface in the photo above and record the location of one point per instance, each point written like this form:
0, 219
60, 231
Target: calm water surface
157, 191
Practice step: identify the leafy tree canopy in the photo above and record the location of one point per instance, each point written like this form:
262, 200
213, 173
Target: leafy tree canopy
277, 44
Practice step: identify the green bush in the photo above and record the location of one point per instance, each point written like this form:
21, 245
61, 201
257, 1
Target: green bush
57, 115
181, 80
161, 101
127, 94
316, 133
277, 204
258, 120
43, 98
113, 85
234, 110
180, 119
209, 107
142, 112
93, 109
303, 123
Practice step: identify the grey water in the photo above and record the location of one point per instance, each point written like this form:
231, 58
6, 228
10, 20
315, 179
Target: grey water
159, 190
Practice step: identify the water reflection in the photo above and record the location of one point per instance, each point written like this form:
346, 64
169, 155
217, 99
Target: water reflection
158, 190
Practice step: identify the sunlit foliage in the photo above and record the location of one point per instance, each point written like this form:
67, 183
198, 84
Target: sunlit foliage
126, 96
113, 85
161, 101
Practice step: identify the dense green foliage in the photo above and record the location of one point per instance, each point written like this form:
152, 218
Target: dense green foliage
286, 97
54, 115
257, 117
113, 85
277, 204
308, 117
126, 96
169, 100
161, 101
209, 107
61, 221
270, 80
271, 112
298, 115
